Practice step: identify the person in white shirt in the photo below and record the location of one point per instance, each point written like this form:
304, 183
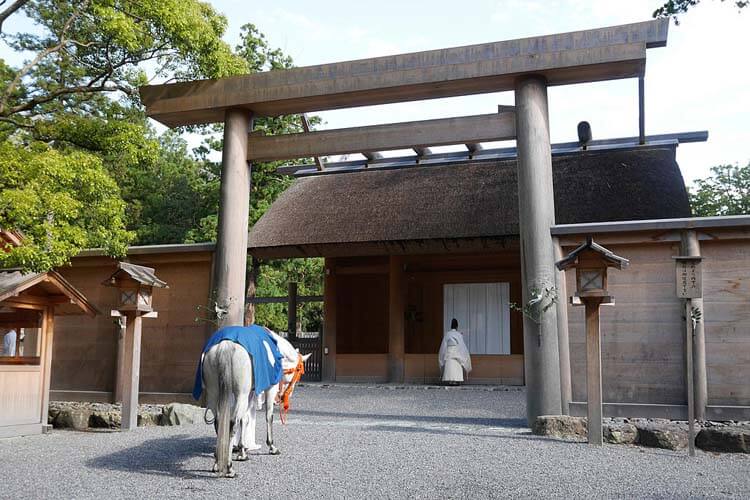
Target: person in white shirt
454, 357
9, 343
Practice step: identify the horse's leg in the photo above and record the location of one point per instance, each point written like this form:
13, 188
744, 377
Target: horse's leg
248, 438
270, 397
243, 384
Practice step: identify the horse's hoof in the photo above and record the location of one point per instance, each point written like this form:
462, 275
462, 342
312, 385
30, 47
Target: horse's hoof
242, 457
215, 468
274, 451
230, 474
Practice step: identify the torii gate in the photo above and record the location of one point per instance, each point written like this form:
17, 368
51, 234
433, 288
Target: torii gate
527, 66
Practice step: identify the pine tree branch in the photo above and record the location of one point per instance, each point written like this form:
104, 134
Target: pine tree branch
10, 10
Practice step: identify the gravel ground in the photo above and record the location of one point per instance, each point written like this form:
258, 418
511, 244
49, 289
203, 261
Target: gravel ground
367, 442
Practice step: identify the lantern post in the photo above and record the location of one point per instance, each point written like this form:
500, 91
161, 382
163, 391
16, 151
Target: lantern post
135, 302
591, 262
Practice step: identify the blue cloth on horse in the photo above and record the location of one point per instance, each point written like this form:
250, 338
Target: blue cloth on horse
251, 338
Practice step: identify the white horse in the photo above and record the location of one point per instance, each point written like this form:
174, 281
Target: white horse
230, 395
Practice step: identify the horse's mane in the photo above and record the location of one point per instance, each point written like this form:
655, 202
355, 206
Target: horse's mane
285, 347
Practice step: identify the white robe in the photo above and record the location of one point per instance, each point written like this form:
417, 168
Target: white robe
454, 357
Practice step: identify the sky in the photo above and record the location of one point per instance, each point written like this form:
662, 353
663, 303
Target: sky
700, 81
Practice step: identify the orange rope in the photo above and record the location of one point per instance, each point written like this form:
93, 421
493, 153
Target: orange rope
285, 393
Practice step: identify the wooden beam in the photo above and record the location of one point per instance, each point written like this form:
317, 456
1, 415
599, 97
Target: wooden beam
370, 140
306, 127
577, 57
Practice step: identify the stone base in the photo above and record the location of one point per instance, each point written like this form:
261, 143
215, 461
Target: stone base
83, 416
656, 433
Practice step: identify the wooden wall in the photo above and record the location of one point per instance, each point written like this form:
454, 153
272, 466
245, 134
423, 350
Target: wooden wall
726, 304
85, 349
362, 314
642, 335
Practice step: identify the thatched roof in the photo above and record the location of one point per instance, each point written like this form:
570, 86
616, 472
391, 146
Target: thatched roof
460, 201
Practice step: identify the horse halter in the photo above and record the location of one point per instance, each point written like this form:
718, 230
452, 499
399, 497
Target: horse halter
285, 393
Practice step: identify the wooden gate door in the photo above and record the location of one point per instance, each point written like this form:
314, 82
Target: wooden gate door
314, 364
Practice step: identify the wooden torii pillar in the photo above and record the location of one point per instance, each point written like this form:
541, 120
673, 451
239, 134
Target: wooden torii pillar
536, 215
230, 259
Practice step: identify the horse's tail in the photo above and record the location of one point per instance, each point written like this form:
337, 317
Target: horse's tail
224, 412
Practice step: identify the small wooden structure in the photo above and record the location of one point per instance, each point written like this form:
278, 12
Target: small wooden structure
29, 303
135, 284
591, 261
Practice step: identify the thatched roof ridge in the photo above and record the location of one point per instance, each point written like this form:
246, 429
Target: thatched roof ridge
470, 200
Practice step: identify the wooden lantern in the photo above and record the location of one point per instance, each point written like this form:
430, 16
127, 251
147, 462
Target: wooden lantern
136, 284
135, 301
591, 262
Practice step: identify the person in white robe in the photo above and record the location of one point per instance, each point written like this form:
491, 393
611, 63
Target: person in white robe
454, 357
9, 343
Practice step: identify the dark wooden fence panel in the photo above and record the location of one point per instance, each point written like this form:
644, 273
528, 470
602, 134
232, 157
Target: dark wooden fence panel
314, 364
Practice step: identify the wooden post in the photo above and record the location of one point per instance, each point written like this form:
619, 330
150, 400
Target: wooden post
689, 376
48, 332
593, 371
329, 321
536, 216
566, 391
396, 319
117, 397
252, 280
641, 111
291, 324
691, 247
131, 369
234, 206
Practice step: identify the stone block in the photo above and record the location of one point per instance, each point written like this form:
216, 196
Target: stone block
662, 435
620, 433
560, 426
182, 414
730, 438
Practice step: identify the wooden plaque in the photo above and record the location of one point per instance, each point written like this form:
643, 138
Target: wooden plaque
689, 281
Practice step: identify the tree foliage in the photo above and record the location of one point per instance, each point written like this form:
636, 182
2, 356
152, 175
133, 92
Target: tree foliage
73, 106
672, 8
76, 94
61, 201
725, 192
87, 47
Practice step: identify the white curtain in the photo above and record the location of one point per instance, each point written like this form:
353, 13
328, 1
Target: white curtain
483, 315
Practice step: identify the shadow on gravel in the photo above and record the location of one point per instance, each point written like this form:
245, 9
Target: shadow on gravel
161, 457
489, 422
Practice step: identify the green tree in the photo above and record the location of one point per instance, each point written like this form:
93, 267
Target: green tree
61, 201
672, 8
725, 192
80, 49
76, 93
